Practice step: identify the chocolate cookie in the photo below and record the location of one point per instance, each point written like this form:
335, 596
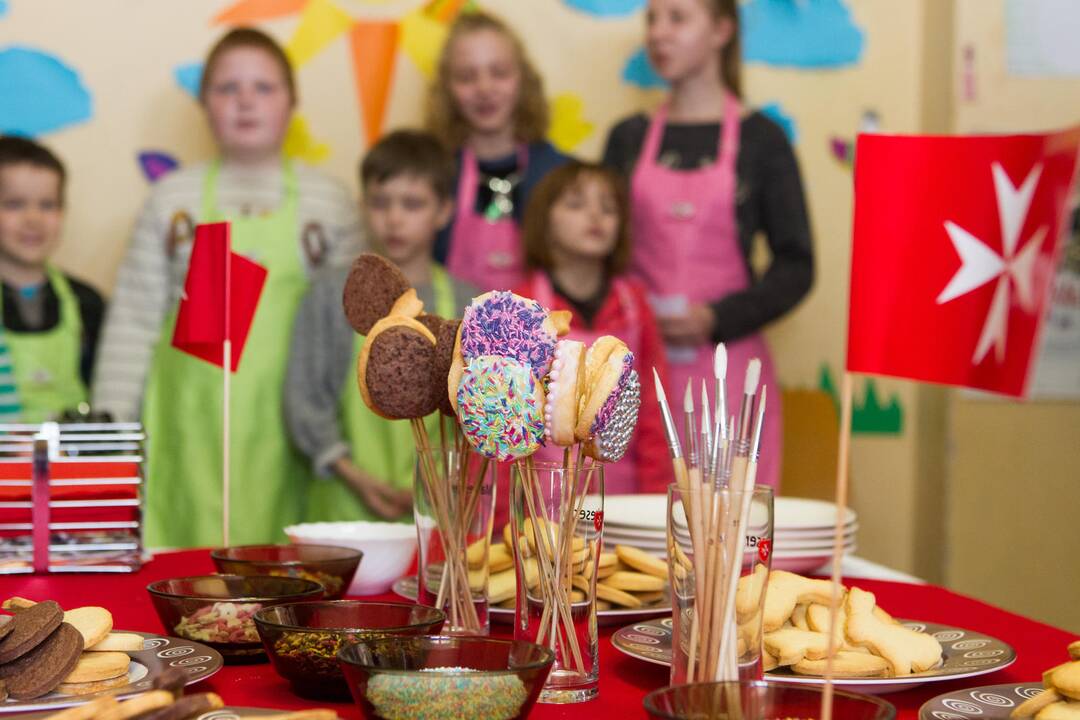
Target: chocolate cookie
39, 671
432, 322
31, 626
7, 624
399, 373
444, 357
373, 285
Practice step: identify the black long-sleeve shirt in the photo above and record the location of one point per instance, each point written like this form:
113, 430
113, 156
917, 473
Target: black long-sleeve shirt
769, 199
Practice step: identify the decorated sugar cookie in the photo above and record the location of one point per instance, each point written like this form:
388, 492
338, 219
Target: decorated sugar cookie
566, 382
500, 407
610, 403
502, 323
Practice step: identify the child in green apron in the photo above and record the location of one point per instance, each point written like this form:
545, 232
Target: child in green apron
366, 462
50, 321
285, 217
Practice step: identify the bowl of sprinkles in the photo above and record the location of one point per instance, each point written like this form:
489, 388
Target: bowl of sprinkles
444, 677
757, 700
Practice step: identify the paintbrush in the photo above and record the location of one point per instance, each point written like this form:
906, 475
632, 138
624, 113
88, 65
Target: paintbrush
706, 425
720, 435
728, 652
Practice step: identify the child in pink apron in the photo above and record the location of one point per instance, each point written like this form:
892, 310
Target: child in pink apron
576, 237
487, 104
704, 179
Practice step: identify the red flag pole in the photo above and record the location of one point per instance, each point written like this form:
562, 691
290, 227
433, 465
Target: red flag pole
225, 389
838, 536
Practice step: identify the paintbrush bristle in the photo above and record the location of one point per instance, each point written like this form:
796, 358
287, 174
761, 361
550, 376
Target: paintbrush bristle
660, 395
753, 376
720, 362
688, 397
704, 398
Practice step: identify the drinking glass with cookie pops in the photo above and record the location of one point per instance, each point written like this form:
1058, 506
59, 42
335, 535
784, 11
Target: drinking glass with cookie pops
516, 387
718, 584
402, 373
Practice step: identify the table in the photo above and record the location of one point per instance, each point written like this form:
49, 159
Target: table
624, 681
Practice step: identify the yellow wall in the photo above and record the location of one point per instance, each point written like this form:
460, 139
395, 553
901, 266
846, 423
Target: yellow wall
1013, 492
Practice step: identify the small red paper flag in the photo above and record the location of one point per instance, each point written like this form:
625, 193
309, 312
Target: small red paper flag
221, 294
956, 241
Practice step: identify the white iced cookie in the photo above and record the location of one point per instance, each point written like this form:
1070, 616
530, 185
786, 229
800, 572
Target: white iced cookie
565, 384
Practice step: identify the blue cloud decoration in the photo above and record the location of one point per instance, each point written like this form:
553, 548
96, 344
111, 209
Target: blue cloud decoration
800, 33
41, 93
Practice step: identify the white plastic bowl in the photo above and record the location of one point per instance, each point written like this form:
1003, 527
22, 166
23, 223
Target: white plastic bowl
389, 549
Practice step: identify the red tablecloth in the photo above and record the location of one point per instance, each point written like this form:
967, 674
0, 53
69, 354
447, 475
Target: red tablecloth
624, 681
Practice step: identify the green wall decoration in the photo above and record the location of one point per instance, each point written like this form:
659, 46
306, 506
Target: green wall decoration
868, 417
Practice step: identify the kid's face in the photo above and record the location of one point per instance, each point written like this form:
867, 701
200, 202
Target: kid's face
682, 36
584, 221
248, 104
403, 215
485, 80
30, 214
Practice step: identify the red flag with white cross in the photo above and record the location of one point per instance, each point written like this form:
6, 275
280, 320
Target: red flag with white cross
956, 241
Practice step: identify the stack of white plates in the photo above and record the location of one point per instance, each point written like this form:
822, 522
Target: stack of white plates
802, 531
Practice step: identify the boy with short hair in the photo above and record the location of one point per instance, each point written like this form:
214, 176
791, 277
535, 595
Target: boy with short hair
51, 321
366, 462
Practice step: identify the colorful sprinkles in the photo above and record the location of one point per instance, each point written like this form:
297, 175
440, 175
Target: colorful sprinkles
502, 323
500, 413
446, 694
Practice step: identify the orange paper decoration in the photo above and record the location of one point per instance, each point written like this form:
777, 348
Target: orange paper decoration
374, 51
251, 11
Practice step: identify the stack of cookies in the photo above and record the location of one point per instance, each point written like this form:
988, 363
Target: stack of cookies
868, 642
1061, 700
44, 649
628, 578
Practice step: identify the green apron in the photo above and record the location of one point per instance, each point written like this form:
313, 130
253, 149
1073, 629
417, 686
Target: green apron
379, 447
183, 406
46, 364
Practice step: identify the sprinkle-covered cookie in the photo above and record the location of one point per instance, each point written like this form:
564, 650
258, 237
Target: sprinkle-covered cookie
502, 323
500, 406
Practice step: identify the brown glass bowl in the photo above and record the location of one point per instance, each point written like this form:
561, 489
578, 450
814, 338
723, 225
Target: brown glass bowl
303, 639
448, 677
331, 566
218, 610
756, 700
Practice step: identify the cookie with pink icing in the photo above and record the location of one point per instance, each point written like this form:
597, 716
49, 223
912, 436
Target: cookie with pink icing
500, 405
609, 406
502, 323
566, 382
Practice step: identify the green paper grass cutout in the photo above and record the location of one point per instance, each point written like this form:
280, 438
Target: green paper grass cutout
869, 417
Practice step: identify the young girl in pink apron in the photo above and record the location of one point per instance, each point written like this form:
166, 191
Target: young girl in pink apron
576, 238
704, 180
487, 104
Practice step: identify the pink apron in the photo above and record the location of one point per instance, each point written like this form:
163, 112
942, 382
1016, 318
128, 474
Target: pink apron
619, 478
486, 254
686, 250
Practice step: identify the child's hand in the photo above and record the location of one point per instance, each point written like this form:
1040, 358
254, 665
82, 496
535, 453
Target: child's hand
693, 329
387, 502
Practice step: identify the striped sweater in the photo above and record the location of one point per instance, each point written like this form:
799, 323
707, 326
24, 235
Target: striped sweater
150, 279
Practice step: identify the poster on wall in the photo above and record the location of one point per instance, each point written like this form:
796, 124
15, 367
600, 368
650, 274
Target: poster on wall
1041, 37
1057, 371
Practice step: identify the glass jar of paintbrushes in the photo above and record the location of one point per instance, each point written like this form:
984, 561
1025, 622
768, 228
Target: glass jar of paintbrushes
719, 531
